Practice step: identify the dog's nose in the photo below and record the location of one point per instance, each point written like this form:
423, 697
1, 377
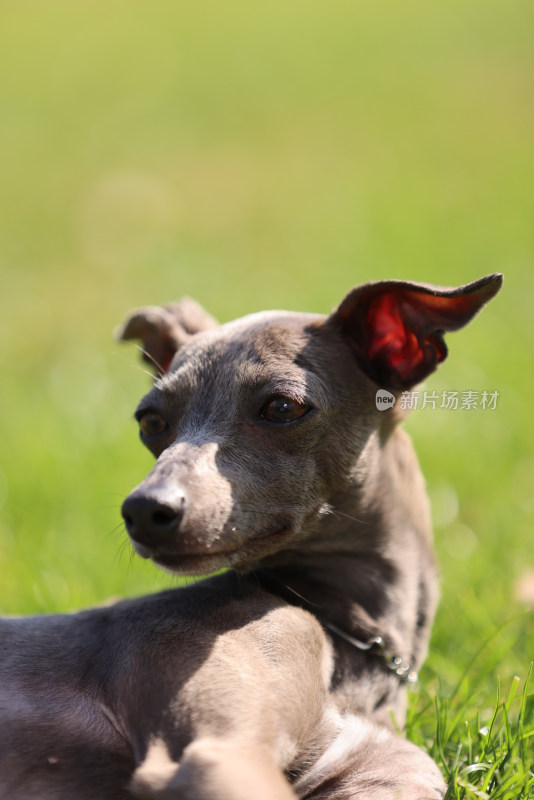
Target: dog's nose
152, 518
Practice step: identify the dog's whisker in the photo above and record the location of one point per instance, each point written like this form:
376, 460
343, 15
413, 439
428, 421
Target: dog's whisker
119, 528
289, 588
150, 357
139, 367
337, 513
123, 546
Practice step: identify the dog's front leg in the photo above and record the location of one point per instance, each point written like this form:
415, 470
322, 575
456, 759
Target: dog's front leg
211, 769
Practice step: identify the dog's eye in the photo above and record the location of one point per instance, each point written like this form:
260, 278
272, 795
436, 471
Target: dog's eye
283, 409
151, 424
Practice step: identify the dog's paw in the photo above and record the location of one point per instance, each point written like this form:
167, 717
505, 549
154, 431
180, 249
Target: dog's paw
368, 762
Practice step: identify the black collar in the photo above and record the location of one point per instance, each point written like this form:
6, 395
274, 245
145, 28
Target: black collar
402, 669
374, 644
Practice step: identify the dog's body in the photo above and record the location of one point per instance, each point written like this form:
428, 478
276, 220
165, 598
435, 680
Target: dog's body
279, 679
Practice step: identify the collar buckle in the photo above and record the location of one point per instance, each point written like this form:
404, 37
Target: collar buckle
402, 669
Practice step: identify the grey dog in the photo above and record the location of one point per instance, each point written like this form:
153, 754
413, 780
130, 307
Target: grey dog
278, 455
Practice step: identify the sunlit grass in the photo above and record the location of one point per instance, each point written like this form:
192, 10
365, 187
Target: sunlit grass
484, 752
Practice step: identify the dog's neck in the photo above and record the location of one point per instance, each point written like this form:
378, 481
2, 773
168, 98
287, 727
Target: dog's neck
356, 569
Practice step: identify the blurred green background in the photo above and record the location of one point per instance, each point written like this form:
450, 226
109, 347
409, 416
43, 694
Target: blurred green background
254, 156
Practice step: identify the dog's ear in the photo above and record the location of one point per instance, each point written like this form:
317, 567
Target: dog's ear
396, 328
164, 329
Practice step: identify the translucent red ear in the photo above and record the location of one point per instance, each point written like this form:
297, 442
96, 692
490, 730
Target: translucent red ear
396, 328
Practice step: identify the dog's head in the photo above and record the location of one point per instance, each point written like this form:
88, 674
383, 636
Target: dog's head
256, 424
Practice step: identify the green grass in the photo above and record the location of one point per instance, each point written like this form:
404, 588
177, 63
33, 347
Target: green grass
483, 744
258, 157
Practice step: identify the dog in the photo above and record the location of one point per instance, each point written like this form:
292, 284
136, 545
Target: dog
284, 676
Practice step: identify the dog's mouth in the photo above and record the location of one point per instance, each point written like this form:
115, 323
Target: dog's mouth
208, 560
